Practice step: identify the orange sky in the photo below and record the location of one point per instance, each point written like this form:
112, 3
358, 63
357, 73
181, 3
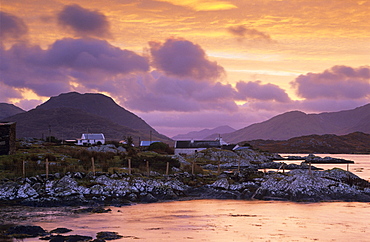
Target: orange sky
270, 41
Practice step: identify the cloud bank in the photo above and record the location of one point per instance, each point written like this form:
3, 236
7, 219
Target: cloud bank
81, 61
183, 58
338, 82
11, 27
84, 22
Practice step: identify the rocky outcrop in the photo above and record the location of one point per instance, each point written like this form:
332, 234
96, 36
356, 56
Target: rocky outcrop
122, 189
311, 158
102, 189
296, 185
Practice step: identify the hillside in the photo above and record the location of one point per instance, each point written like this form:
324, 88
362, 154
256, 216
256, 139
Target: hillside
97, 104
69, 115
296, 123
329, 143
203, 134
7, 110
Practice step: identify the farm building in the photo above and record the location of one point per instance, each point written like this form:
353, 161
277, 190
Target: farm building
7, 138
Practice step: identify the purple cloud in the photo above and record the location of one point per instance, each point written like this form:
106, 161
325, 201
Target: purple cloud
167, 93
11, 27
257, 91
184, 59
93, 54
243, 32
51, 71
337, 83
84, 22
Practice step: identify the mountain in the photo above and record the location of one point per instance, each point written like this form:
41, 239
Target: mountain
97, 104
71, 114
296, 123
203, 134
357, 142
7, 110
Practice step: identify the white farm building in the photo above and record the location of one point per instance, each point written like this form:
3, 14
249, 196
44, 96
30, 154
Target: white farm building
91, 139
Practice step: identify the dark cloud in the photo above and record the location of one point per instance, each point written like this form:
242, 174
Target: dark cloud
257, 91
184, 59
93, 54
11, 27
339, 82
84, 22
54, 70
167, 93
241, 31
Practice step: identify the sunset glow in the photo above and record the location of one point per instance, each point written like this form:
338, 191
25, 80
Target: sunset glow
189, 65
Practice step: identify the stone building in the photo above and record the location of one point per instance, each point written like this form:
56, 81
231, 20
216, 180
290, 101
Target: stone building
7, 138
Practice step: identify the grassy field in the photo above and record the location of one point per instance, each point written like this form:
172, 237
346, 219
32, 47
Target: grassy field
31, 159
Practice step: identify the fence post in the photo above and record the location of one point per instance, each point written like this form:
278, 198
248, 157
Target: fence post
129, 166
24, 169
93, 165
47, 168
239, 165
218, 168
147, 168
167, 168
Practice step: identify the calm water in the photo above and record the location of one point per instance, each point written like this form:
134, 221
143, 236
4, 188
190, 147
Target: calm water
227, 220
230, 220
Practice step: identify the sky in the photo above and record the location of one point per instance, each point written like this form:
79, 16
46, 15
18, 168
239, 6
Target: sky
187, 65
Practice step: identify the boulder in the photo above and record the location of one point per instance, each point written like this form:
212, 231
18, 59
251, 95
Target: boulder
25, 231
108, 235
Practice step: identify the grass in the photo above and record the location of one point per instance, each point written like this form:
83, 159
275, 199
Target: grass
65, 158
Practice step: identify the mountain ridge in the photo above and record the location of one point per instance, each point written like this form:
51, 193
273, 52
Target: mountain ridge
8, 110
353, 143
204, 133
296, 123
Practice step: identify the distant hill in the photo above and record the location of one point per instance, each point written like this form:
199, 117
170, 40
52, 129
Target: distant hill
296, 123
329, 143
71, 114
7, 110
203, 134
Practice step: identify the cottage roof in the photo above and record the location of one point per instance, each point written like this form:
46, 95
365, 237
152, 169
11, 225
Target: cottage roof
197, 144
93, 136
147, 142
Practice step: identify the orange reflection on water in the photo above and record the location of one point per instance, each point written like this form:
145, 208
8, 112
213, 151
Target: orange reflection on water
227, 220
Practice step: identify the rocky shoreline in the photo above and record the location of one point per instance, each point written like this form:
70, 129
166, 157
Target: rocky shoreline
79, 193
75, 189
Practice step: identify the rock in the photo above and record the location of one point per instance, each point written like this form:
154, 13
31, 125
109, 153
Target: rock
222, 183
326, 160
60, 230
69, 238
101, 210
108, 235
24, 231
299, 185
148, 198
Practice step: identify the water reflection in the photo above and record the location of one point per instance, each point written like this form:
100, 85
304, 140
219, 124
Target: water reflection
227, 220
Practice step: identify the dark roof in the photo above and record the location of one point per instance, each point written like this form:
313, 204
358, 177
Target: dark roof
197, 143
147, 142
92, 136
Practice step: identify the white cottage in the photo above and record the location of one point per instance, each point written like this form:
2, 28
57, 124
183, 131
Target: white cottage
91, 139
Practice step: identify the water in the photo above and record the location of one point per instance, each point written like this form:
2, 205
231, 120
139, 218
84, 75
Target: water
229, 220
